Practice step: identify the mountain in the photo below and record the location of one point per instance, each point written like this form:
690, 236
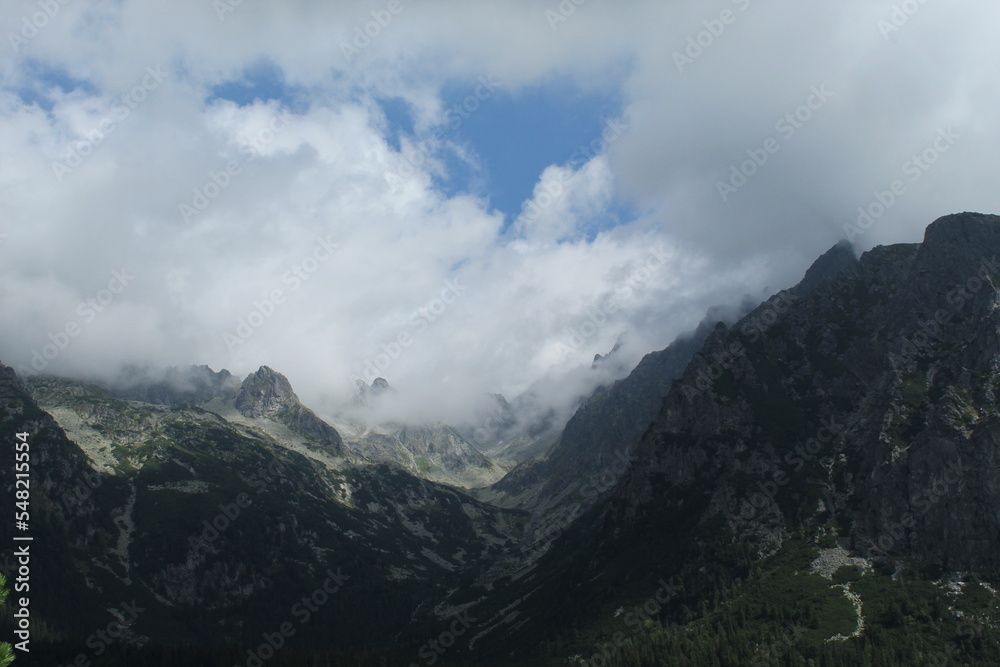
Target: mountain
815, 483
510, 432
217, 523
600, 437
824, 469
432, 450
269, 394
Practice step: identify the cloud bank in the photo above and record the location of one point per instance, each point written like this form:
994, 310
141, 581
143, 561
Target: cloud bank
150, 215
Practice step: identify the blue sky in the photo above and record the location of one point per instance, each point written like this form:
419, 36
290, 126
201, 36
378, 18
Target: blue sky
517, 136
513, 137
43, 78
262, 81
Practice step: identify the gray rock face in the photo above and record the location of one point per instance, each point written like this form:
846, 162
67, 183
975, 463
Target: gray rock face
860, 406
268, 393
830, 264
265, 394
869, 401
433, 451
442, 444
597, 443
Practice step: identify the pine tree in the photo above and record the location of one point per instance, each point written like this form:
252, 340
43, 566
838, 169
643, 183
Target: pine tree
6, 651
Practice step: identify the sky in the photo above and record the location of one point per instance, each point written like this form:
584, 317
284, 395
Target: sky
461, 197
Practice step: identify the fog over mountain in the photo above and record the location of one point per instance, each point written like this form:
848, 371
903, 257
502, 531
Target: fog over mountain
313, 186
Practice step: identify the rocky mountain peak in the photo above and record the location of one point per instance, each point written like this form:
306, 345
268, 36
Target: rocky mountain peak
379, 387
963, 229
265, 393
7, 374
827, 266
955, 245
604, 358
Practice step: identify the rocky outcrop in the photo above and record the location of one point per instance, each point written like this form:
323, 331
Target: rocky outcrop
869, 401
857, 409
265, 394
268, 394
433, 451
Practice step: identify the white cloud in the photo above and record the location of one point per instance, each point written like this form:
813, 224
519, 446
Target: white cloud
330, 173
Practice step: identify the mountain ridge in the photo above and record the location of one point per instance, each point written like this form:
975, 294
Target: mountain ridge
818, 481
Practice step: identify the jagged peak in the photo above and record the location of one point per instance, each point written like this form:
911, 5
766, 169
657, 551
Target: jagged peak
827, 266
265, 392
604, 358
265, 371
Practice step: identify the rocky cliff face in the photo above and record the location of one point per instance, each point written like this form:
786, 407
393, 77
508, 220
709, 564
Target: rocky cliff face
856, 411
432, 451
265, 393
869, 402
268, 394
